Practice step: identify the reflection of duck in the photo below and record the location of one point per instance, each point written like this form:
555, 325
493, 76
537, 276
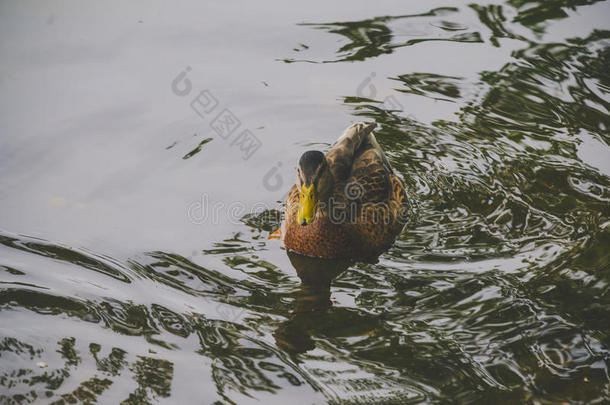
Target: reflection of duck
311, 315
315, 272
347, 203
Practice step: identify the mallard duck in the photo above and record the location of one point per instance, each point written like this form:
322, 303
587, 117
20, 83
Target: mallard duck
348, 203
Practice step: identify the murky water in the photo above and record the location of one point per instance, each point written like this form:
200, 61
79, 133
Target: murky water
145, 151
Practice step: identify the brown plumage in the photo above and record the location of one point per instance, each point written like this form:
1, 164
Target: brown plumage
360, 204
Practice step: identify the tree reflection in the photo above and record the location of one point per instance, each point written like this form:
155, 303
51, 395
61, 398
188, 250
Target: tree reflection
499, 291
154, 378
373, 37
242, 365
517, 186
533, 13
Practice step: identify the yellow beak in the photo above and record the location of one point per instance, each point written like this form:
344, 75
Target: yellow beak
307, 205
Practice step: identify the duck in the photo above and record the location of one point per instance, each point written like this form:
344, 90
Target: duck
345, 204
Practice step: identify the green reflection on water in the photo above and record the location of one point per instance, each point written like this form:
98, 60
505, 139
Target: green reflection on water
498, 291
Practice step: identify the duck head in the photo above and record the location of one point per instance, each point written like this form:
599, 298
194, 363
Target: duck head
315, 184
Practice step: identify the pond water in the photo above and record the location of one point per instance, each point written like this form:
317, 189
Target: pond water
146, 149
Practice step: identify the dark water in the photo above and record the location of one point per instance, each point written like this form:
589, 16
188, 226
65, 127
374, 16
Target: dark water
135, 263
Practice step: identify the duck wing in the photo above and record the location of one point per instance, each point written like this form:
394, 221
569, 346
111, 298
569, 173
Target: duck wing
358, 160
340, 157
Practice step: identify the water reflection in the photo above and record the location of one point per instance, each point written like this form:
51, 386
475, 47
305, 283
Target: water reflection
153, 376
241, 364
311, 299
534, 13
427, 84
382, 35
497, 292
317, 272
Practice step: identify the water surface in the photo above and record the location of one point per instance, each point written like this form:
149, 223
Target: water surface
135, 264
